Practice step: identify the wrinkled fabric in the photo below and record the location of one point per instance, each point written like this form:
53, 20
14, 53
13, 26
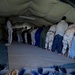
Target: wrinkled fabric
37, 36
9, 26
50, 37
10, 30
68, 38
43, 37
18, 35
25, 36
50, 10
57, 43
49, 40
67, 41
33, 36
61, 27
28, 38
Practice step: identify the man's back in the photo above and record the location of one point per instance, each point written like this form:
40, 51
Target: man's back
9, 25
61, 27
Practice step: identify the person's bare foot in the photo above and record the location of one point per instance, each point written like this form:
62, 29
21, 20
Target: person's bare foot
59, 54
68, 56
50, 50
46, 49
7, 44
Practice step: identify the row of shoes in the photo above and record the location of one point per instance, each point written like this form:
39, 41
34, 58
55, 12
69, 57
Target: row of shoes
39, 71
17, 72
57, 70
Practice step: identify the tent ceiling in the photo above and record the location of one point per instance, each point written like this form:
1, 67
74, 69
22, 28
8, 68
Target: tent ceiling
46, 12
71, 2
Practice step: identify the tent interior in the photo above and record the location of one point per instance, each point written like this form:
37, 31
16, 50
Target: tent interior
44, 12
33, 13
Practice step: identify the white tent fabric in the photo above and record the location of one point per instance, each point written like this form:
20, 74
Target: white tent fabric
49, 10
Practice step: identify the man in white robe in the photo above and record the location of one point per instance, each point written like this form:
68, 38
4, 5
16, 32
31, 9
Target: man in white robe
33, 36
67, 39
10, 31
50, 37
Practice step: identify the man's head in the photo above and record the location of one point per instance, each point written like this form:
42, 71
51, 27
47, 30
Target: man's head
25, 27
64, 18
43, 26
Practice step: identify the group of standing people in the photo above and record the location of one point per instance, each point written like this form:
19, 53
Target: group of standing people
56, 37
51, 37
60, 37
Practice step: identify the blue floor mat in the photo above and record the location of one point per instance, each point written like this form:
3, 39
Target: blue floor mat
3, 53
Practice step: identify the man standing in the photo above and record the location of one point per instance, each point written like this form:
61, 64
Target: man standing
33, 36
43, 37
68, 38
37, 36
50, 37
24, 35
10, 31
60, 30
